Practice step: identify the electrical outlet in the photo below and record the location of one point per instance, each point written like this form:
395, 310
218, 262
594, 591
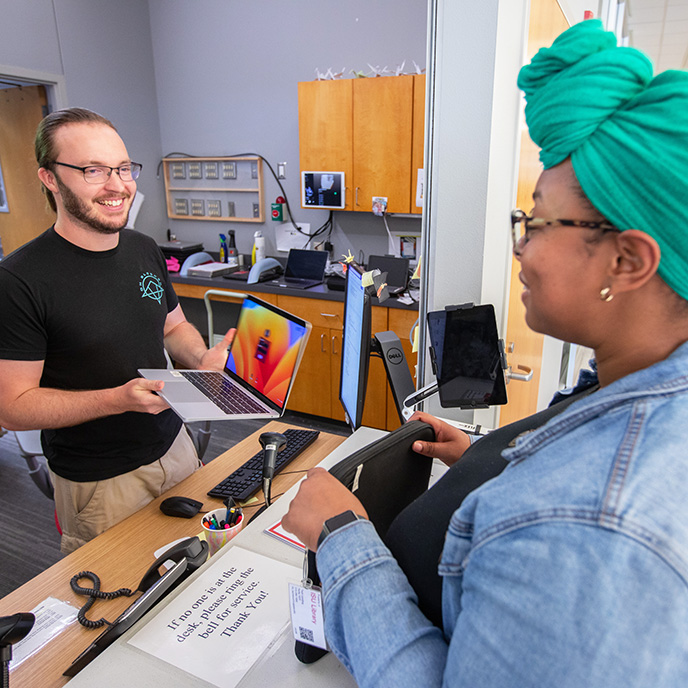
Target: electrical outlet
197, 207
181, 206
281, 170
229, 170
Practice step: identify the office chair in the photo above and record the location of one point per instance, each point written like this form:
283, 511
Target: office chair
29, 442
223, 295
30, 448
201, 437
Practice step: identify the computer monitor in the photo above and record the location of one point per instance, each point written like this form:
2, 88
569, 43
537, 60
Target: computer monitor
323, 190
355, 346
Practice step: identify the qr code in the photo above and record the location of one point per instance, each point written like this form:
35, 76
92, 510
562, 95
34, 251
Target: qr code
306, 634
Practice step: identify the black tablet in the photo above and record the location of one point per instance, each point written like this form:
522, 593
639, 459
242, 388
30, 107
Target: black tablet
467, 357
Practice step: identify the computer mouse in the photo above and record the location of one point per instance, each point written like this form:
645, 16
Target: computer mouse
183, 507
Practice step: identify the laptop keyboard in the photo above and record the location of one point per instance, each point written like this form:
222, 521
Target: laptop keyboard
226, 395
248, 478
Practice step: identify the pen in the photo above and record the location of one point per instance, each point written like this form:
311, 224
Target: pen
236, 517
229, 503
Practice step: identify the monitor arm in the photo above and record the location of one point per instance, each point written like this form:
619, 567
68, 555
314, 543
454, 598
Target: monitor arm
388, 346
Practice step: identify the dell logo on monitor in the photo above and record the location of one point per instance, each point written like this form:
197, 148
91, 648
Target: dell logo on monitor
395, 356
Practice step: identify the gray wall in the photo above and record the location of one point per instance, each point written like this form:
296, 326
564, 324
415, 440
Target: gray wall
227, 74
212, 77
103, 50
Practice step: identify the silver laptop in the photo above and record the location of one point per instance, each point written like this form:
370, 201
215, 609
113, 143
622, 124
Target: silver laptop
305, 268
258, 376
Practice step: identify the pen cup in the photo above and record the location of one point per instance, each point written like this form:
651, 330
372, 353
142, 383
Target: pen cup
219, 537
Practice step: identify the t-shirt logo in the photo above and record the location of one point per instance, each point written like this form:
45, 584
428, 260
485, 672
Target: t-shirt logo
151, 287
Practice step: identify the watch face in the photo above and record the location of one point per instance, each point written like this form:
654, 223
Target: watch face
340, 520
336, 522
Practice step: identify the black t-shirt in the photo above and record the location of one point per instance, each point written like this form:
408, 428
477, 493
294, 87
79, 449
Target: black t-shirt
94, 318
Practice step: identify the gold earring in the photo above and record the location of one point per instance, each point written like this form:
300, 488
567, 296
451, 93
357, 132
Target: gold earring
606, 294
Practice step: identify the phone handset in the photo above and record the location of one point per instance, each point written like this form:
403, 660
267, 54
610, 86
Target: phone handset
192, 549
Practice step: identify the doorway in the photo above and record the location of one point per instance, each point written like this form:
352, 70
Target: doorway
25, 212
525, 347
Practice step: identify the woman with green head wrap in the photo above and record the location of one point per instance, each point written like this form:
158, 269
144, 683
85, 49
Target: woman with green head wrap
570, 566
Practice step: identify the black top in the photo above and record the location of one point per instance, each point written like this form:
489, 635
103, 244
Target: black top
416, 536
94, 318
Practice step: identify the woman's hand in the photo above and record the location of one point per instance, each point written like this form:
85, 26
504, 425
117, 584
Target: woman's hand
320, 496
450, 442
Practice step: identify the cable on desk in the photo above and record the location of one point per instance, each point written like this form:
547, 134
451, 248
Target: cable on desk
94, 593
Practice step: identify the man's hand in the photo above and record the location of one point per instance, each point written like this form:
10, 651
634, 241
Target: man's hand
140, 395
450, 442
215, 358
320, 496
185, 345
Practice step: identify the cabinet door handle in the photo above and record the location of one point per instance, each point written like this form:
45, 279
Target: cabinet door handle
334, 348
356, 195
329, 315
322, 341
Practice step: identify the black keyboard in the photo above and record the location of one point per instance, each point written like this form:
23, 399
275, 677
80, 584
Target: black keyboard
223, 392
248, 478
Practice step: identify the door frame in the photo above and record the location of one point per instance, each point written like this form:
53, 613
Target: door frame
55, 87
471, 164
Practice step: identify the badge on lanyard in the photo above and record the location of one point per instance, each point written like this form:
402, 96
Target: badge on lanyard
305, 606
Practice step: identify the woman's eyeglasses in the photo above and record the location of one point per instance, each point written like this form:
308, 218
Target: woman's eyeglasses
523, 225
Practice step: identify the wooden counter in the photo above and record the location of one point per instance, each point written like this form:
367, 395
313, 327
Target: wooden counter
122, 554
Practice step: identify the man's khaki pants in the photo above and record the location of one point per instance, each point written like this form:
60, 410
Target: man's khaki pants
85, 510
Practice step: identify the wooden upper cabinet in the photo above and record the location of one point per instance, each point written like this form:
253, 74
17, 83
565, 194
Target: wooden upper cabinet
383, 127
372, 130
326, 129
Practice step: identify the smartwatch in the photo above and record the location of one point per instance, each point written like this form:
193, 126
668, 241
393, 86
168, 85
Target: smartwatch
336, 522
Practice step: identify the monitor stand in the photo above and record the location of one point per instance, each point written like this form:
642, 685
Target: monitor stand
388, 346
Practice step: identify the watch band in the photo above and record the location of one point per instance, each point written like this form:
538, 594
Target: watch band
336, 522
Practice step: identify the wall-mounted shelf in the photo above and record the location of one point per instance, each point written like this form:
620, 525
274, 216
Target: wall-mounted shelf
220, 189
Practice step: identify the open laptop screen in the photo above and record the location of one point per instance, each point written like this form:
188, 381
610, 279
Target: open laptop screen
306, 264
265, 350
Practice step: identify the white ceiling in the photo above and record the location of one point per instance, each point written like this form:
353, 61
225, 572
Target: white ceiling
660, 29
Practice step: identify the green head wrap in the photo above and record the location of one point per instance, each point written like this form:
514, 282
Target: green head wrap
626, 134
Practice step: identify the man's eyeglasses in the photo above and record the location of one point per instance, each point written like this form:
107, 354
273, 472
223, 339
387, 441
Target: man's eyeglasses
523, 225
99, 174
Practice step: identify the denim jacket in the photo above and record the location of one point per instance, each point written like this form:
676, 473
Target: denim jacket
568, 569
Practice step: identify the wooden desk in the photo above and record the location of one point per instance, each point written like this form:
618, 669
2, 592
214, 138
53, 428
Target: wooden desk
121, 555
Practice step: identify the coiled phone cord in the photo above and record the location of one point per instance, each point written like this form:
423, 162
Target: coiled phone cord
94, 594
